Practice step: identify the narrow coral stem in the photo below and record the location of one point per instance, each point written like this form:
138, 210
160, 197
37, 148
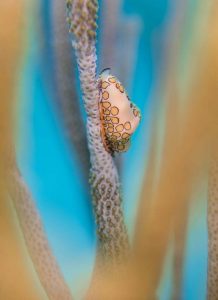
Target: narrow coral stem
35, 237
105, 186
213, 232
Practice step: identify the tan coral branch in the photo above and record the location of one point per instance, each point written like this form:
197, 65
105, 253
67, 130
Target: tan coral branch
113, 242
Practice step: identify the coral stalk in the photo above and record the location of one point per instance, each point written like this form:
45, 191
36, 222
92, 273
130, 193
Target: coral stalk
212, 232
36, 240
105, 186
212, 93
67, 98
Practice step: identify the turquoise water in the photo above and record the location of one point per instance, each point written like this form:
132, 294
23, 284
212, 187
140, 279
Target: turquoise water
52, 171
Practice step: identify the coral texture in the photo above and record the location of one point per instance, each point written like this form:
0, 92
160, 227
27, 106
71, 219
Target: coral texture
113, 242
212, 232
36, 240
68, 100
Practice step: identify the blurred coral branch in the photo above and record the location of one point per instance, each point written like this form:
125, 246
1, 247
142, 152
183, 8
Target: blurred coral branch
211, 50
184, 164
60, 79
31, 225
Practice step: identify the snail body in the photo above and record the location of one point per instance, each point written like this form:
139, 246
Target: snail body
118, 115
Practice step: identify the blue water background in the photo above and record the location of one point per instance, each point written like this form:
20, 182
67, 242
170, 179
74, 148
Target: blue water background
52, 172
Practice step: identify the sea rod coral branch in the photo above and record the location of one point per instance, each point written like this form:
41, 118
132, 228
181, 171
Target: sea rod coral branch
61, 74
113, 241
35, 237
212, 231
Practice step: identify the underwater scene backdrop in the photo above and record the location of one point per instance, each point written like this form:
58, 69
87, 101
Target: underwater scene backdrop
148, 45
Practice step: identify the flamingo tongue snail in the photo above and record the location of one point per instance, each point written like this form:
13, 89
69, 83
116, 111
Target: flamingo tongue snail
119, 116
